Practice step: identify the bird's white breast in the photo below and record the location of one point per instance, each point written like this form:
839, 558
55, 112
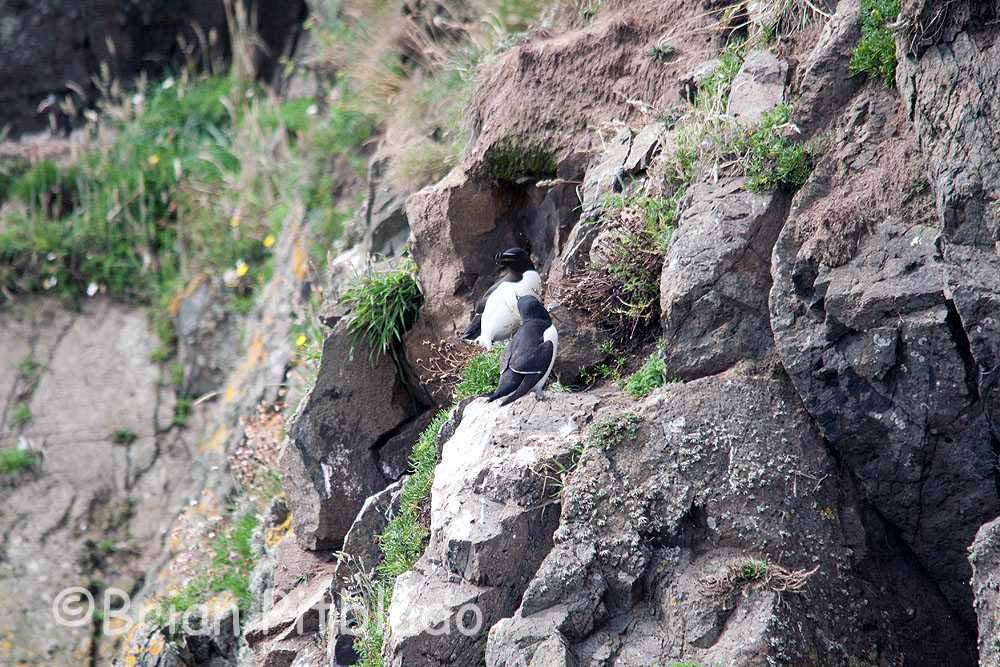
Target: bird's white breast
500, 316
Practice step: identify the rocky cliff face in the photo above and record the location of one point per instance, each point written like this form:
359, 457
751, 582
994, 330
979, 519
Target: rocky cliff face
812, 481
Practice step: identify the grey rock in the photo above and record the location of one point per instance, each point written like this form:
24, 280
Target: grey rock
958, 130
758, 87
825, 79
715, 280
207, 340
493, 512
984, 554
330, 464
361, 542
722, 468
302, 612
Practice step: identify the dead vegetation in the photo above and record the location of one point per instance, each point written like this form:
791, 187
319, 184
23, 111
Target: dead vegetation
755, 573
442, 369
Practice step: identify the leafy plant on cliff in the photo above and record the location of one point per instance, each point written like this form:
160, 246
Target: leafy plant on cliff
651, 375
15, 461
875, 54
385, 305
769, 158
228, 570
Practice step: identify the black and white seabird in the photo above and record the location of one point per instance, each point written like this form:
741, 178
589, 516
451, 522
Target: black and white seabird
528, 359
495, 316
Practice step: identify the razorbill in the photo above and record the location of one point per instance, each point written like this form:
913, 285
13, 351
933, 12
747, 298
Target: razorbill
495, 316
528, 359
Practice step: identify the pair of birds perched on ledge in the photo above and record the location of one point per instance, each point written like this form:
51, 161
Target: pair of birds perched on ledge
513, 306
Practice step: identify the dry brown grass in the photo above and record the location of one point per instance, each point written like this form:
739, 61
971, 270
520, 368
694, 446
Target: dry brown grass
755, 574
619, 289
441, 370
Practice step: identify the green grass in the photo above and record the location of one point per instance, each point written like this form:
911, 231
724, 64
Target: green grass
182, 410
29, 369
651, 375
875, 54
15, 461
770, 160
481, 374
385, 305
20, 415
752, 569
611, 432
123, 436
230, 567
661, 53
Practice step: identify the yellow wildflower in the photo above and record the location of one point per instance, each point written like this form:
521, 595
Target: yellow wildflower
269, 240
153, 160
301, 340
234, 221
241, 268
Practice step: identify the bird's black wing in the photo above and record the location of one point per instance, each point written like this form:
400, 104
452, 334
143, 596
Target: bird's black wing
530, 358
476, 318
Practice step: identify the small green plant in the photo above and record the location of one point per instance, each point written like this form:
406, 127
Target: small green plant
769, 159
123, 436
651, 375
481, 374
385, 306
232, 562
107, 547
875, 54
182, 410
177, 374
20, 415
29, 369
752, 569
15, 461
661, 52
614, 431
685, 664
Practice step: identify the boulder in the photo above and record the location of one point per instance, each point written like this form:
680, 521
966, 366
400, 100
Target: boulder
958, 130
868, 330
656, 530
716, 277
361, 546
330, 464
759, 86
494, 507
302, 612
984, 554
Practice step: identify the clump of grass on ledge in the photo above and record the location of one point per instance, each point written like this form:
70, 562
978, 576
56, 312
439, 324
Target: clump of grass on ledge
16, 461
875, 54
385, 305
232, 562
481, 375
770, 160
651, 375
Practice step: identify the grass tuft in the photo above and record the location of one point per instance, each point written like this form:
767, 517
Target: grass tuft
385, 306
232, 562
20, 415
770, 160
651, 375
875, 54
481, 374
16, 461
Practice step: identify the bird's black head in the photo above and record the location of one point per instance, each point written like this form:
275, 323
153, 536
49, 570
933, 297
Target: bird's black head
517, 259
532, 309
